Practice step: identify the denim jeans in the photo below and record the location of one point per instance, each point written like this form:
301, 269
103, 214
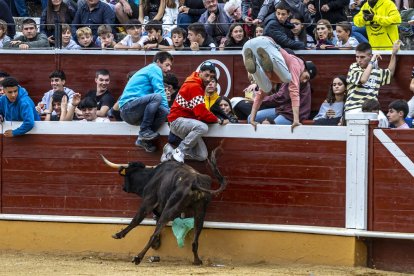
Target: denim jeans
191, 131
145, 111
183, 20
271, 115
21, 8
279, 64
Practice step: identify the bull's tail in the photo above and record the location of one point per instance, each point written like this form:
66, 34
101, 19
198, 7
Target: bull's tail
213, 165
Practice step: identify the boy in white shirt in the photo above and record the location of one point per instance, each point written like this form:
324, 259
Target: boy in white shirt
134, 39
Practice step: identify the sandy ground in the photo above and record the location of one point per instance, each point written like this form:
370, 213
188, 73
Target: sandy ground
16, 263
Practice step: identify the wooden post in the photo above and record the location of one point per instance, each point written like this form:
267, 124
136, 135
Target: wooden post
356, 216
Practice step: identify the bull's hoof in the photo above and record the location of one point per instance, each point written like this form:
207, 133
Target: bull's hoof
156, 244
197, 262
137, 260
117, 236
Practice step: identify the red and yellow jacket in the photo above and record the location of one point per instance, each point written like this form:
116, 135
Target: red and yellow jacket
189, 102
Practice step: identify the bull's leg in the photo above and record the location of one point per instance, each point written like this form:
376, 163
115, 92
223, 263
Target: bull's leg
145, 208
172, 209
199, 215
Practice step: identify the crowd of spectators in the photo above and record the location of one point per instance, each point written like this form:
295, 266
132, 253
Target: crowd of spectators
153, 94
151, 24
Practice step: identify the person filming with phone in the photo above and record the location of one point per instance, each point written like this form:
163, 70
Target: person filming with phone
381, 19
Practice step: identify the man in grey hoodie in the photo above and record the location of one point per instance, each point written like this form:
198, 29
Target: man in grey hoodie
30, 38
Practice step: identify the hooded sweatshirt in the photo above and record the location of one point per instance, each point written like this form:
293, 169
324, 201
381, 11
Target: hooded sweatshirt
383, 29
189, 102
23, 109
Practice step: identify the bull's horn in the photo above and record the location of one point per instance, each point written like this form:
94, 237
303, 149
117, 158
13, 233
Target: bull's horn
113, 165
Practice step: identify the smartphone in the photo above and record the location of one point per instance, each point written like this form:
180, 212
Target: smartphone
366, 11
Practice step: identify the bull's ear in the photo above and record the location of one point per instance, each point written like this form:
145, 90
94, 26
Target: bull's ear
122, 171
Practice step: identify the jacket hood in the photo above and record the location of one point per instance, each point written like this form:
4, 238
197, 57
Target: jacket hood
194, 78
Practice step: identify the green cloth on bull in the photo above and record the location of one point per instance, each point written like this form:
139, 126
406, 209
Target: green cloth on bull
180, 229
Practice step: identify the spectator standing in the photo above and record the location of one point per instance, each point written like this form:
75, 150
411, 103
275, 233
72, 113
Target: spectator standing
101, 94
365, 78
190, 12
30, 38
144, 101
216, 21
92, 14
189, 117
381, 19
278, 27
6, 15
16, 105
57, 12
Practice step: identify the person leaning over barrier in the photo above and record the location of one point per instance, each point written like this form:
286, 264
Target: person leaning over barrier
16, 105
144, 101
30, 38
269, 64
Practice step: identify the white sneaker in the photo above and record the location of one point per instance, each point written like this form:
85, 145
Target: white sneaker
167, 152
178, 155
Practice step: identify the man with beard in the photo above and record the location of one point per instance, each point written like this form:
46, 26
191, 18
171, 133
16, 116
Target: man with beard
189, 117
101, 94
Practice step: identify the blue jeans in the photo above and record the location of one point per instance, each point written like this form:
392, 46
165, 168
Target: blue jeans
271, 115
145, 111
183, 20
278, 62
360, 33
21, 8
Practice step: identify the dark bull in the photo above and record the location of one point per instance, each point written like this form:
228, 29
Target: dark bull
167, 190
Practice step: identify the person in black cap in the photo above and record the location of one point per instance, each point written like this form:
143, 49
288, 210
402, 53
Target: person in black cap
189, 117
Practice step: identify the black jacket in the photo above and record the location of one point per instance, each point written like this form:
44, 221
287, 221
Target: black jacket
281, 33
196, 7
336, 11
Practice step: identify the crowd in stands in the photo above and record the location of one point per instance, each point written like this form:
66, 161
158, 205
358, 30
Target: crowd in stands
153, 94
207, 24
